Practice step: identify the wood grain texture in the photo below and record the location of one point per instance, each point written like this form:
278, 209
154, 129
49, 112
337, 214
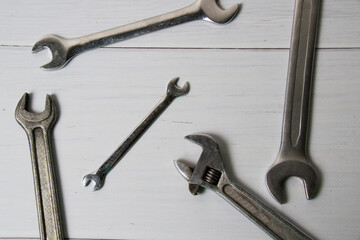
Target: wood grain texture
237, 94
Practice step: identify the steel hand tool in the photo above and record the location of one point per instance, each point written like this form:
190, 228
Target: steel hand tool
63, 49
292, 159
173, 91
210, 173
38, 128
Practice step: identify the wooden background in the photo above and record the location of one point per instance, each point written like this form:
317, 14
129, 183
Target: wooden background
237, 74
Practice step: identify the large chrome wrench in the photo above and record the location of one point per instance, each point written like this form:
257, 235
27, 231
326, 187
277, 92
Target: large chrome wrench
210, 173
173, 91
292, 157
63, 49
38, 127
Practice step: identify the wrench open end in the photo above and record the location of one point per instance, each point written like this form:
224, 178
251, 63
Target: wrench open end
174, 90
98, 182
27, 118
278, 173
214, 13
59, 50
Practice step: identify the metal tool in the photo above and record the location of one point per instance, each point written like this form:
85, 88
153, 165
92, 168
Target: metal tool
63, 49
210, 173
173, 91
292, 159
38, 128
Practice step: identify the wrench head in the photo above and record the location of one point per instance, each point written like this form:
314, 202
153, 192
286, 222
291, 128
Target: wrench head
210, 167
174, 90
59, 48
278, 173
214, 13
95, 178
29, 120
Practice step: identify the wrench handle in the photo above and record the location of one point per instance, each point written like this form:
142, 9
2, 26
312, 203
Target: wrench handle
49, 214
268, 220
301, 60
110, 36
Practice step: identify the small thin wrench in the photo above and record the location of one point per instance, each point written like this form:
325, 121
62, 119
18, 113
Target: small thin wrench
210, 173
38, 127
173, 91
63, 49
292, 159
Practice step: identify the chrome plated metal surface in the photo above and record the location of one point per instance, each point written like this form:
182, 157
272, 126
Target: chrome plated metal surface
63, 49
210, 173
173, 91
292, 159
38, 127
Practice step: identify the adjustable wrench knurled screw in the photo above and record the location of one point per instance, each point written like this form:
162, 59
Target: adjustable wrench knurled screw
292, 159
63, 49
210, 173
38, 127
173, 91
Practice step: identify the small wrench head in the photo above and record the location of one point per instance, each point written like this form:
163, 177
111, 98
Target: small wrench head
59, 48
278, 173
174, 91
214, 13
29, 120
95, 178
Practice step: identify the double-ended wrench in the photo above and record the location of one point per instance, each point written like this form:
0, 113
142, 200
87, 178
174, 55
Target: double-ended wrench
210, 173
173, 91
292, 159
63, 49
38, 127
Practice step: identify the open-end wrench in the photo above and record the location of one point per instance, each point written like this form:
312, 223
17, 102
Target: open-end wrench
210, 173
63, 49
173, 91
292, 157
38, 127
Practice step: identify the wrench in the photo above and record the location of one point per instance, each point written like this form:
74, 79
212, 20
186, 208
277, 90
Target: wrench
63, 49
173, 91
210, 173
292, 159
38, 128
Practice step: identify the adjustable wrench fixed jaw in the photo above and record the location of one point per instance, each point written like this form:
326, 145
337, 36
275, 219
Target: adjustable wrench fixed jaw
210, 173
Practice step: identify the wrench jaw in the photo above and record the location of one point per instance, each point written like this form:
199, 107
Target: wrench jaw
278, 173
29, 120
59, 48
173, 90
210, 169
214, 13
96, 179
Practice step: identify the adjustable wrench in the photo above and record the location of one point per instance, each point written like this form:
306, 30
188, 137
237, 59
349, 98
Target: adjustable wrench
173, 91
292, 158
38, 127
63, 49
210, 173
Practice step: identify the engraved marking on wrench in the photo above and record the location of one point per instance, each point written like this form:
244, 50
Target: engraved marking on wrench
63, 49
173, 91
38, 127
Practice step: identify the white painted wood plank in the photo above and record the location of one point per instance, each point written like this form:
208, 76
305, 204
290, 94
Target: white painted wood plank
259, 25
235, 94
